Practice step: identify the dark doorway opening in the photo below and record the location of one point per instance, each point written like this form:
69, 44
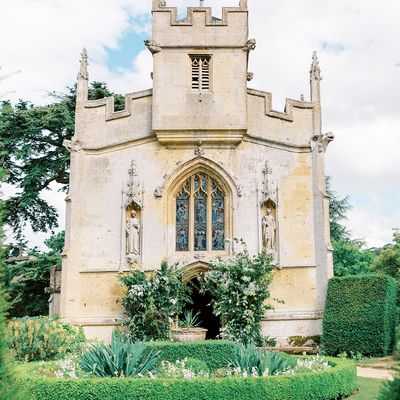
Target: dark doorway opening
201, 303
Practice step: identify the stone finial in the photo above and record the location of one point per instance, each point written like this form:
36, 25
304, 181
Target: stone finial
83, 71
243, 3
315, 70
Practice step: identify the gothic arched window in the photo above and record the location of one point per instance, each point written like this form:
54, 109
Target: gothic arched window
200, 215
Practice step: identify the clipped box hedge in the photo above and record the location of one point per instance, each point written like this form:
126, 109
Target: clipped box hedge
215, 353
336, 382
360, 315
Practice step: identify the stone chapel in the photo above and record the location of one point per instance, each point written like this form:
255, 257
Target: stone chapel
191, 164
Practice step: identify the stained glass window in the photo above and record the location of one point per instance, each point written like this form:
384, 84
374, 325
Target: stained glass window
200, 215
182, 219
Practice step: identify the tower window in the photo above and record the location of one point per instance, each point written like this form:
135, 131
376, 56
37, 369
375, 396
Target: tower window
200, 72
200, 215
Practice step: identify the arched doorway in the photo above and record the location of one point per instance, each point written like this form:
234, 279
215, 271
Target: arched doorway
201, 303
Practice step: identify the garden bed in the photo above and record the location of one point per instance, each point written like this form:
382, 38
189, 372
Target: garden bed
335, 382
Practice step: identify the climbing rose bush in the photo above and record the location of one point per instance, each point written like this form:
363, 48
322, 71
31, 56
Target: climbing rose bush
152, 302
239, 287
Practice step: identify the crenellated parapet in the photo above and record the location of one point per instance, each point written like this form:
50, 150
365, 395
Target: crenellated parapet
108, 103
171, 31
290, 105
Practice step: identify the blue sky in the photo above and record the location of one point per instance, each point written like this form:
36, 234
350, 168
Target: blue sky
358, 49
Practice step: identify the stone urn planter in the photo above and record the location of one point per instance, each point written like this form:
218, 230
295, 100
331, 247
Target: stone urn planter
187, 329
188, 334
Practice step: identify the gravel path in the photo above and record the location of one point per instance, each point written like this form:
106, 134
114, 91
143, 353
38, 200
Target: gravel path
375, 373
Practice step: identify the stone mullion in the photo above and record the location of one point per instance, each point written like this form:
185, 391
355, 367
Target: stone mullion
191, 215
209, 215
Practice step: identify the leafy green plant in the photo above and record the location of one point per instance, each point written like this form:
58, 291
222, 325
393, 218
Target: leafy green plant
239, 288
250, 361
391, 389
152, 301
43, 338
189, 320
120, 358
360, 316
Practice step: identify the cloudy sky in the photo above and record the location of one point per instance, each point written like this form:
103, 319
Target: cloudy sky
358, 46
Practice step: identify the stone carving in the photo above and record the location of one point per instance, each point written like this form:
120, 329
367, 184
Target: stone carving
315, 70
72, 145
133, 235
133, 192
269, 231
153, 46
250, 76
158, 191
322, 141
250, 45
163, 3
269, 191
83, 71
199, 151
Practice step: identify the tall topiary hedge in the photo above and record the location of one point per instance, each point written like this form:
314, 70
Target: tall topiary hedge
360, 315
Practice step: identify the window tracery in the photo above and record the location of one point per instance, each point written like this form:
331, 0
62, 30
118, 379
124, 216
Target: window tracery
200, 215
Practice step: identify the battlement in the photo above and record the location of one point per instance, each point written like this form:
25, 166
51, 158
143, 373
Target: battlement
171, 31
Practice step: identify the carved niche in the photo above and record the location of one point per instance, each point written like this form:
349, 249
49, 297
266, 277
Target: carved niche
132, 205
268, 207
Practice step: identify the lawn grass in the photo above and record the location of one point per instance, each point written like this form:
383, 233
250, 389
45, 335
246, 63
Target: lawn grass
369, 389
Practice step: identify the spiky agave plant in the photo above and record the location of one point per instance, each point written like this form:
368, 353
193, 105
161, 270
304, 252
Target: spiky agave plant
248, 360
189, 320
120, 358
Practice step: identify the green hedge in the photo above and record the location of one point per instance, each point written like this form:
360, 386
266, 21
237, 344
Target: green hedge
360, 315
330, 384
215, 353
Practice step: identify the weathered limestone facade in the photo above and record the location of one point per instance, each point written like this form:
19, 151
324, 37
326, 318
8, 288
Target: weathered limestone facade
129, 168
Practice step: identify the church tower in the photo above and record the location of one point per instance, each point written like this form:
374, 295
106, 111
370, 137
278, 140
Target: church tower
200, 74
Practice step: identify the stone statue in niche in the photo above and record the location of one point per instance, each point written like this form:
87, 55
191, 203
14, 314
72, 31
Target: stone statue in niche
269, 231
133, 234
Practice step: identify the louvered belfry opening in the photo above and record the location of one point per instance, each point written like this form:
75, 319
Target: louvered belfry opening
201, 72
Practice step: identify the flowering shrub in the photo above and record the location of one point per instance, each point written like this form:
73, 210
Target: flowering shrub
43, 338
309, 364
67, 369
186, 368
239, 287
151, 302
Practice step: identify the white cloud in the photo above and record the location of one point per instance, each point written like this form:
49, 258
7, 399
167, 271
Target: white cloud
357, 44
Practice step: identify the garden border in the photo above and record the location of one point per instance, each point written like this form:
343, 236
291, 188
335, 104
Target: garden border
336, 382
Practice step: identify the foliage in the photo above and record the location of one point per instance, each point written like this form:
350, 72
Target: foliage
28, 280
338, 208
189, 320
391, 389
186, 369
388, 261
336, 382
119, 359
239, 288
43, 338
152, 301
32, 139
215, 353
247, 361
350, 257
360, 315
